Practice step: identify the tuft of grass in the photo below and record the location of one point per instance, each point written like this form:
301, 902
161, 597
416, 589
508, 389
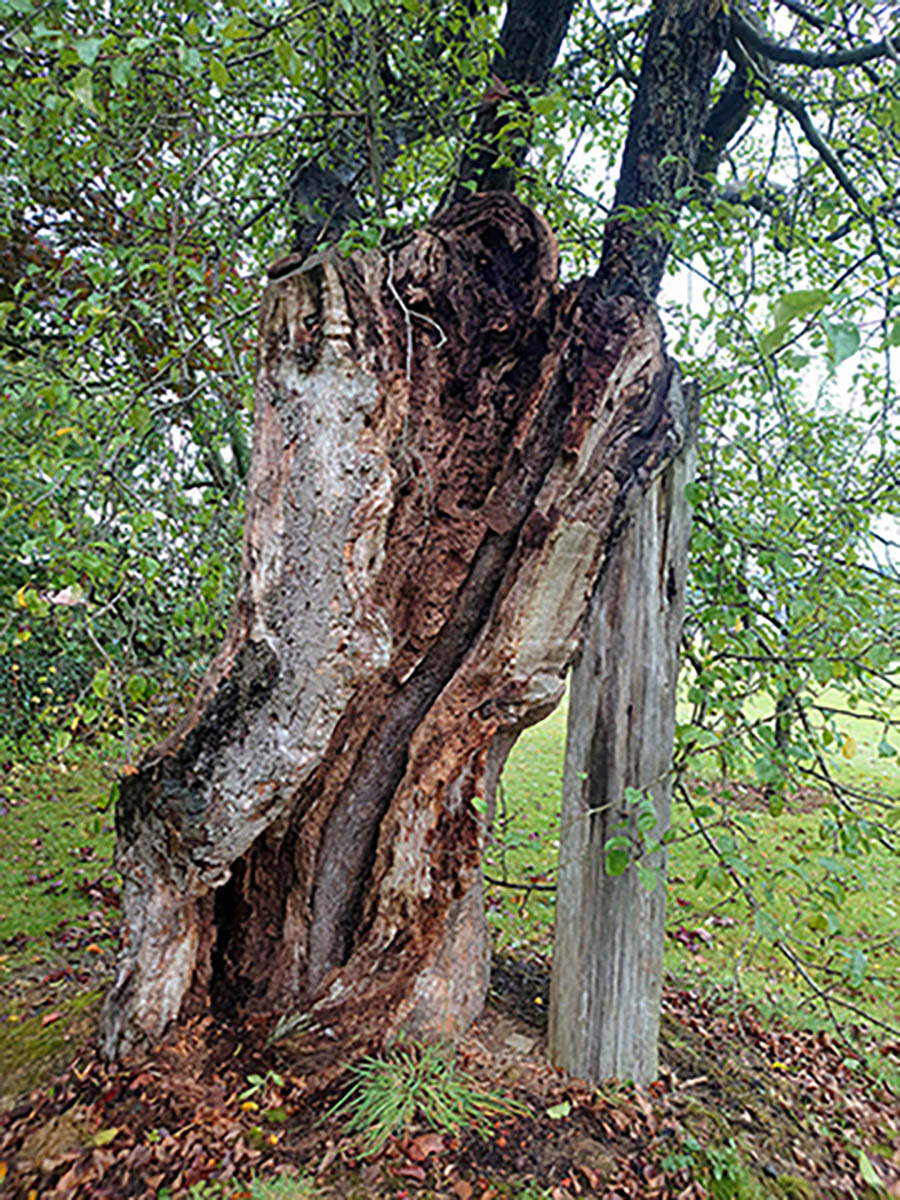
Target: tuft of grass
421, 1080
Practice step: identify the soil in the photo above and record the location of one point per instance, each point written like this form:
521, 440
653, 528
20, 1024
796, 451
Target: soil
741, 1108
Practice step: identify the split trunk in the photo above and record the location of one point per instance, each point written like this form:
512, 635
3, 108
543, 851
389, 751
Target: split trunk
447, 446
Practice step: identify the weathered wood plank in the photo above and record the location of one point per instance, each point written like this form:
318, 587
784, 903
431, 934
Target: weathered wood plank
607, 962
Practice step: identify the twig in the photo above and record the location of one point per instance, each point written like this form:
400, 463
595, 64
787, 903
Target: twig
408, 315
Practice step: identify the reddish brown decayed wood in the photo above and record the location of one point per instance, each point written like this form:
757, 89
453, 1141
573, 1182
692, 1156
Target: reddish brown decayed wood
446, 442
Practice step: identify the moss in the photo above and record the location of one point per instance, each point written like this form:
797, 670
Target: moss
794, 1188
31, 1053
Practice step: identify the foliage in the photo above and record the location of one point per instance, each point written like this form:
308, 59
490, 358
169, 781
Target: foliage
149, 165
416, 1080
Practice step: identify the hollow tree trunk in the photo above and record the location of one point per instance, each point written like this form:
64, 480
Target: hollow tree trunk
445, 444
608, 950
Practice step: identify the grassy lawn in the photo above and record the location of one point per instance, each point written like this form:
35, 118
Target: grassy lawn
57, 886
709, 937
58, 912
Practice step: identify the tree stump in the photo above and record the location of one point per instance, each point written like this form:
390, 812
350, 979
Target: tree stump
447, 443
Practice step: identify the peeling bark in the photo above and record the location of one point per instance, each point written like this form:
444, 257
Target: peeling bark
446, 444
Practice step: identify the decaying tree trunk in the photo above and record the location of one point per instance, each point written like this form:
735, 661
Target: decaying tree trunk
608, 949
446, 444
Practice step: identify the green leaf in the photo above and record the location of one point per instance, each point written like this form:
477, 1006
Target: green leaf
886, 750
219, 73
647, 876
859, 964
556, 1112
100, 683
773, 340
617, 860
289, 61
82, 89
799, 304
542, 106
120, 73
140, 418
693, 493
821, 669
87, 50
879, 655
844, 341
766, 925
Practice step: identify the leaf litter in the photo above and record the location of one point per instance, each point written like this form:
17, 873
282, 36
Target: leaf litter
790, 1105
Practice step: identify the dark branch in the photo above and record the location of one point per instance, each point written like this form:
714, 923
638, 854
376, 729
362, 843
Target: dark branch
684, 44
532, 33
776, 52
800, 10
728, 115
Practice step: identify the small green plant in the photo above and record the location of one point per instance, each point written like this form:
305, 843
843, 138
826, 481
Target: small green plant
726, 1175
284, 1187
275, 1187
258, 1082
416, 1079
684, 1156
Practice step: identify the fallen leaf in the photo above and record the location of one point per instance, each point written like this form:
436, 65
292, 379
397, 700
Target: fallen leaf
557, 1111
427, 1143
50, 1017
462, 1189
410, 1171
105, 1136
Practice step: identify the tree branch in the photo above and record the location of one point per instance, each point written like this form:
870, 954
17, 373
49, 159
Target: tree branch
532, 33
684, 44
776, 52
726, 118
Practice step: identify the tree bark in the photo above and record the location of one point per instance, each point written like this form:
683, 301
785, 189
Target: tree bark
446, 444
608, 951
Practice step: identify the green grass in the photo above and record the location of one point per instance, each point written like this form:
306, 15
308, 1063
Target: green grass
56, 833
710, 935
422, 1080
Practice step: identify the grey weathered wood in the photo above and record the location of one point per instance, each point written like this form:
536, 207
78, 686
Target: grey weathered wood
607, 963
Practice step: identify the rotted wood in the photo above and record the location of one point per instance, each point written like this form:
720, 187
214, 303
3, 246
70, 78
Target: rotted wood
446, 442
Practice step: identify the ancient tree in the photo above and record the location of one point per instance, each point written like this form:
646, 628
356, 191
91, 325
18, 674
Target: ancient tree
466, 476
